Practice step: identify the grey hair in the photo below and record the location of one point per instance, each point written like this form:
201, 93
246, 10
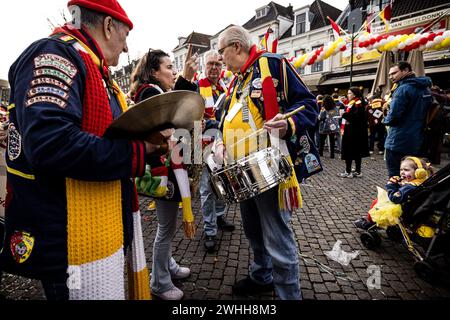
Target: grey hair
90, 18
211, 53
236, 34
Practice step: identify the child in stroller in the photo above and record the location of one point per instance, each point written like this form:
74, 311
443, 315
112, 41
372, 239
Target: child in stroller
413, 172
424, 223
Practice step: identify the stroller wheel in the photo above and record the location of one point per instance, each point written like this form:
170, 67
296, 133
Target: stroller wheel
426, 271
371, 240
394, 233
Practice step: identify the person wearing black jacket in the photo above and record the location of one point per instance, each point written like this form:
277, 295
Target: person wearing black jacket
355, 144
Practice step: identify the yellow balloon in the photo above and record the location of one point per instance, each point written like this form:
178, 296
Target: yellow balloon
445, 43
437, 47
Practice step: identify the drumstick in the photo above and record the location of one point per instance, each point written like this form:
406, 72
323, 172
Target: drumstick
262, 130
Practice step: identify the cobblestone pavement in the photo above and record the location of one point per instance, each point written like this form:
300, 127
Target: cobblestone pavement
331, 204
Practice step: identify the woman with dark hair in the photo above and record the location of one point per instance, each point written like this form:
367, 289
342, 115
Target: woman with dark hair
329, 124
155, 74
354, 129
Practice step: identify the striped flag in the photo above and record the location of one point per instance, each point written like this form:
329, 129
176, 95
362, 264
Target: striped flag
269, 42
368, 23
336, 28
386, 15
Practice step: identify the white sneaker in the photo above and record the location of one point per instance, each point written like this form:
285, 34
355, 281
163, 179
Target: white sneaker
345, 175
182, 273
172, 294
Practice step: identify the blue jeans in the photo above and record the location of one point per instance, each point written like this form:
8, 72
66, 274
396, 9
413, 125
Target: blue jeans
164, 266
393, 160
272, 240
211, 206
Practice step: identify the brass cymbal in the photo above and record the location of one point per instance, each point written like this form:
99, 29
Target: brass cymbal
178, 109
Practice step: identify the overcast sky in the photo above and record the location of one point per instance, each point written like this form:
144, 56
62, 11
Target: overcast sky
157, 24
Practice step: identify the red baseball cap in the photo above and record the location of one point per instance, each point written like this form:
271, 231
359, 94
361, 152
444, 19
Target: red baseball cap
110, 7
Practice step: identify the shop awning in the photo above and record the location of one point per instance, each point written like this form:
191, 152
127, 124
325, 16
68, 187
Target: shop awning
358, 78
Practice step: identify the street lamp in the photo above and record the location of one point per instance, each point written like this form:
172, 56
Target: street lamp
354, 23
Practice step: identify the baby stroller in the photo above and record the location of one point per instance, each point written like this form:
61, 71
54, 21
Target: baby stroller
424, 225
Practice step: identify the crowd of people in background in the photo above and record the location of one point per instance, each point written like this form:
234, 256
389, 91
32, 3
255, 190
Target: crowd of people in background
413, 119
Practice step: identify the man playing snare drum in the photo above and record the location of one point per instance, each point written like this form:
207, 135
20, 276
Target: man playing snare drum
257, 99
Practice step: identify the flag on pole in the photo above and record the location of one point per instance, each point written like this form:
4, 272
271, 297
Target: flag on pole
336, 28
368, 23
269, 42
386, 15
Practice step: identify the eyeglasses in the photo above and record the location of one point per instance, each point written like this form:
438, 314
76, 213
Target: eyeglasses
218, 65
220, 51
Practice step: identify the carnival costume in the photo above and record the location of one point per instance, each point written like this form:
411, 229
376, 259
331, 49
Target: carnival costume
72, 207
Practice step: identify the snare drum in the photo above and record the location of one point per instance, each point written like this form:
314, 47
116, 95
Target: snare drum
250, 176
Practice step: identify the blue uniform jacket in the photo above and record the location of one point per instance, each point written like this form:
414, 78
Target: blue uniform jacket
303, 152
46, 145
407, 115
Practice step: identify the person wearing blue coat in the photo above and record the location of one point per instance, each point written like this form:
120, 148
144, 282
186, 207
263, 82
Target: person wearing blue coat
409, 103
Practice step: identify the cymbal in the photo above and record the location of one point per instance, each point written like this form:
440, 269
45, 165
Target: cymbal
178, 109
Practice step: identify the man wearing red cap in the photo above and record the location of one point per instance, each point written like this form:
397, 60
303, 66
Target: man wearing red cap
71, 207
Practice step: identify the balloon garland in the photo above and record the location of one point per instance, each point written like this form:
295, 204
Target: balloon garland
420, 41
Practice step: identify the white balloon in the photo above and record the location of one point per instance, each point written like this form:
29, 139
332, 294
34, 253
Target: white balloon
446, 34
390, 38
438, 39
409, 41
429, 44
402, 46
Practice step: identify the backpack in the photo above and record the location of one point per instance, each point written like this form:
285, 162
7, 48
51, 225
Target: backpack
329, 124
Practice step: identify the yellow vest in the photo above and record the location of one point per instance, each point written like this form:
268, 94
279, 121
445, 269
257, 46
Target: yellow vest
235, 129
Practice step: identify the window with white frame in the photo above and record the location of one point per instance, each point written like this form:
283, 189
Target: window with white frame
262, 12
300, 26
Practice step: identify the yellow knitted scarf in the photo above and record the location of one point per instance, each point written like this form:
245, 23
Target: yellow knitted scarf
95, 236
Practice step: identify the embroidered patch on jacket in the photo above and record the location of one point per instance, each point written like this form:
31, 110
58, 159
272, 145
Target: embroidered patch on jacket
40, 81
304, 145
14, 143
57, 62
48, 90
46, 99
312, 164
54, 73
21, 245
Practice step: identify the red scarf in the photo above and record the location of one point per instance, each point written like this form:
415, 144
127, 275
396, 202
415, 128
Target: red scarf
97, 114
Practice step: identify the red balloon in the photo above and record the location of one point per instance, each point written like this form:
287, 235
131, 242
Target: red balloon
432, 36
372, 41
408, 48
344, 48
378, 39
423, 41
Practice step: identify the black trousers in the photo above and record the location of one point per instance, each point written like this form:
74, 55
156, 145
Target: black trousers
56, 290
348, 165
323, 138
